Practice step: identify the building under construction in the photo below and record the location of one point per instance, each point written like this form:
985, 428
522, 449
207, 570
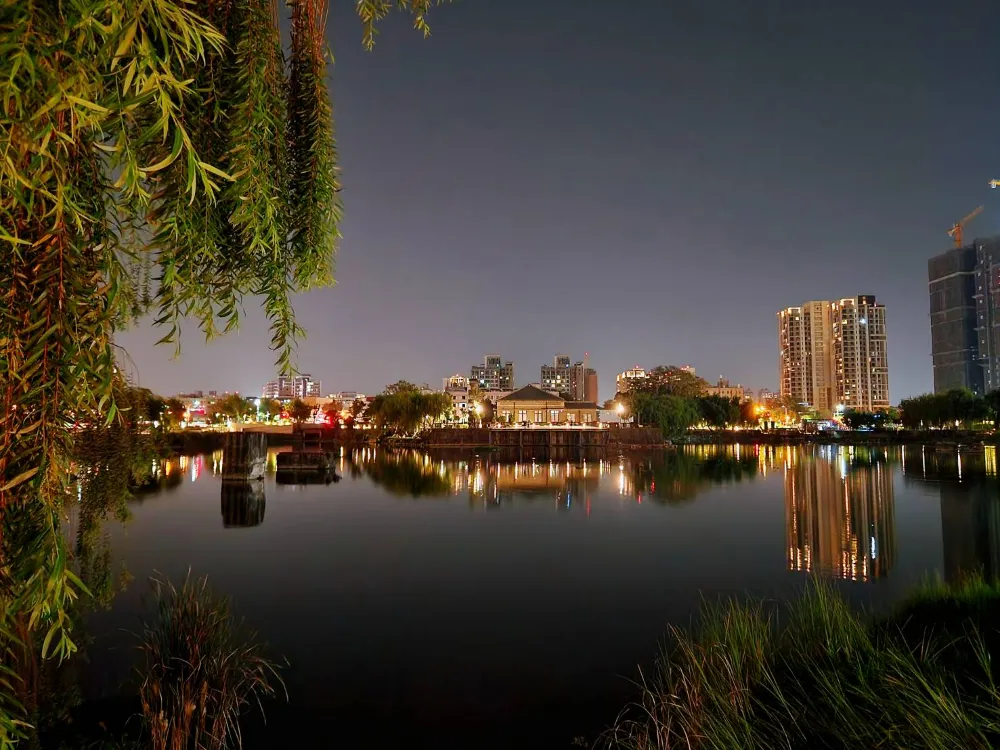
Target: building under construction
964, 286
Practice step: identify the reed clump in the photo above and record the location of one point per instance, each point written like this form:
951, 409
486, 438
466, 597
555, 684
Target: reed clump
200, 671
819, 675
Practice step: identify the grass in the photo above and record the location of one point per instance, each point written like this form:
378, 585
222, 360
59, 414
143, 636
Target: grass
826, 677
200, 672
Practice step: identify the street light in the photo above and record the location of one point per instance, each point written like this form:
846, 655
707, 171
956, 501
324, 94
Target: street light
479, 408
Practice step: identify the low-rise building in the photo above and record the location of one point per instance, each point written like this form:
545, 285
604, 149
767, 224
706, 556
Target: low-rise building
455, 383
348, 397
724, 390
298, 386
623, 379
533, 406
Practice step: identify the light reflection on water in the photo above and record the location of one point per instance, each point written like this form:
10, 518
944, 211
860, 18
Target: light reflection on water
839, 500
442, 588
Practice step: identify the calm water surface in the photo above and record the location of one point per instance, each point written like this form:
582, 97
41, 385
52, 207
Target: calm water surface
475, 600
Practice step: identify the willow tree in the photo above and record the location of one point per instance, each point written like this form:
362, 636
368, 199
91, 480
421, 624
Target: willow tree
164, 156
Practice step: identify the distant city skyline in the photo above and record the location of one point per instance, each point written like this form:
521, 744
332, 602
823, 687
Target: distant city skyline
676, 175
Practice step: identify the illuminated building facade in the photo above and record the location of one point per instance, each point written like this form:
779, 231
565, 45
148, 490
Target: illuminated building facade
494, 374
834, 354
297, 386
861, 362
805, 364
623, 378
578, 380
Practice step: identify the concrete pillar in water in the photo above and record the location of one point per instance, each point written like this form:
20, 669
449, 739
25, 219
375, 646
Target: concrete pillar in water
244, 456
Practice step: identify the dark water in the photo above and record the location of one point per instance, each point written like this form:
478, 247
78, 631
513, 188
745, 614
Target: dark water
474, 600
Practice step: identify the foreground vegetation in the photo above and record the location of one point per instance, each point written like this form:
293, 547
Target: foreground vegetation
199, 671
161, 157
818, 675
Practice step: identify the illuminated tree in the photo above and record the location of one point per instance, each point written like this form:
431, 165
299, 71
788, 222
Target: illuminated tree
299, 411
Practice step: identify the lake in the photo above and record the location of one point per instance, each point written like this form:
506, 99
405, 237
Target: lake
476, 601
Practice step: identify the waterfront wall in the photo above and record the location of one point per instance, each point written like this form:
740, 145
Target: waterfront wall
538, 437
635, 437
195, 441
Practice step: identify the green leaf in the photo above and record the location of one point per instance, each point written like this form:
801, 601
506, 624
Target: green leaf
24, 476
125, 43
89, 105
169, 159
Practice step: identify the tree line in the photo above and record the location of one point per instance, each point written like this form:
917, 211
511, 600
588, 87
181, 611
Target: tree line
957, 408
403, 408
674, 400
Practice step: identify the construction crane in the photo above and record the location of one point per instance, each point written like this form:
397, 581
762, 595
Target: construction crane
956, 229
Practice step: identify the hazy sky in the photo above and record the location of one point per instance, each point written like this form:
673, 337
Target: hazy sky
649, 181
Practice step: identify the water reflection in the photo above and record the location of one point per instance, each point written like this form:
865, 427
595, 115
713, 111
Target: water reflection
839, 514
970, 506
242, 504
839, 501
514, 549
402, 473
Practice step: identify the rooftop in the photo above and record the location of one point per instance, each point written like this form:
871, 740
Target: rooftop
530, 393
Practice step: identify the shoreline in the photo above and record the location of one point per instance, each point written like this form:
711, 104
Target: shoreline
627, 439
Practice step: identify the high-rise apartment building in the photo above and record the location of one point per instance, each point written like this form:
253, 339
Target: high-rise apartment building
555, 377
964, 287
494, 374
578, 380
834, 354
298, 386
805, 366
861, 363
583, 381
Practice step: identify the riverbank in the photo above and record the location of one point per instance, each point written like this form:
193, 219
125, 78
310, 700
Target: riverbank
190, 442
618, 438
922, 677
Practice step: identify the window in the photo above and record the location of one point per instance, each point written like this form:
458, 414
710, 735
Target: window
538, 417
554, 415
570, 417
522, 416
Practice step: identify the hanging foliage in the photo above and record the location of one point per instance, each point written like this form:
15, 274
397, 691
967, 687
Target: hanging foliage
157, 155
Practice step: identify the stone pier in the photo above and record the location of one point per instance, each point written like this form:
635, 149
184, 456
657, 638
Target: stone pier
244, 456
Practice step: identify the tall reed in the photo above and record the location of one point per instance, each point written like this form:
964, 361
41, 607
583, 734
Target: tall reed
824, 678
200, 671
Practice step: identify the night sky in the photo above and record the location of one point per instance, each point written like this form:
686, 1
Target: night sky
649, 181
